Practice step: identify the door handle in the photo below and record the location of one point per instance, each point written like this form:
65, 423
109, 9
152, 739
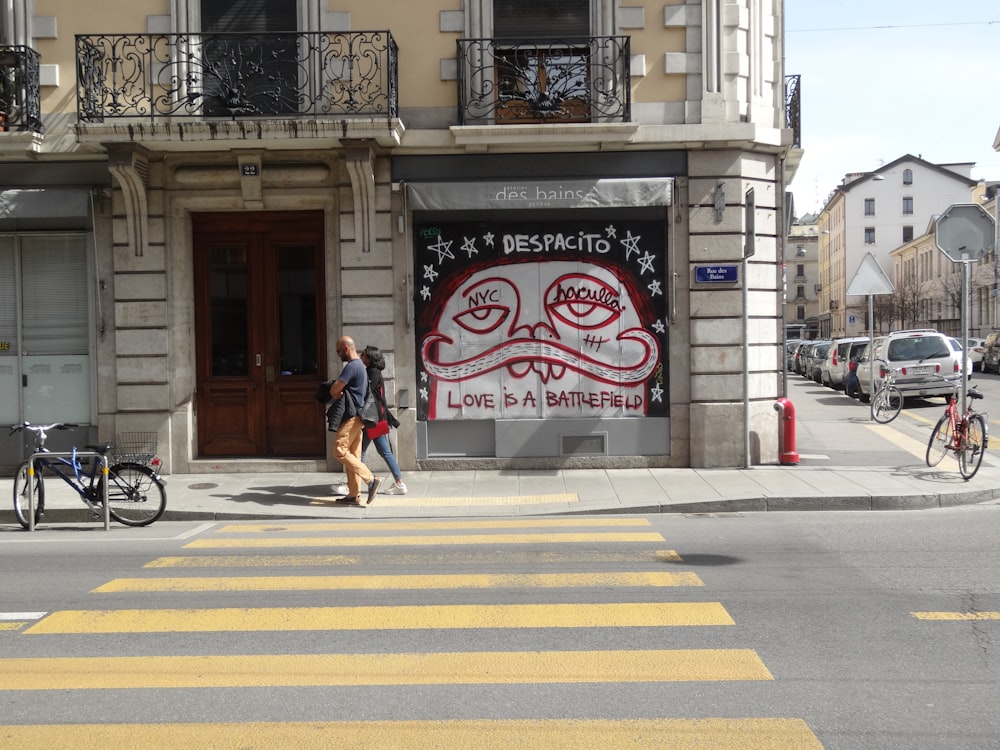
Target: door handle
269, 373
258, 360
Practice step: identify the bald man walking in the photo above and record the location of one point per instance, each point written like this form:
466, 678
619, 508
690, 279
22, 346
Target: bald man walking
352, 384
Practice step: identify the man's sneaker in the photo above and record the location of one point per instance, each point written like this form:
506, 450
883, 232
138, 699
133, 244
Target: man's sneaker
347, 501
396, 488
341, 489
373, 489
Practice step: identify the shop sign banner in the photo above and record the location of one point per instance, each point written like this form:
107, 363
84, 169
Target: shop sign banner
563, 319
534, 194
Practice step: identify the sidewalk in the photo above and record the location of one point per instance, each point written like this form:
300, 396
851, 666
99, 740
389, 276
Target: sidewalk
457, 494
847, 462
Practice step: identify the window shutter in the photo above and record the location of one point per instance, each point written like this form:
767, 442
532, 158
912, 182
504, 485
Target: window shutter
248, 15
531, 19
54, 296
8, 294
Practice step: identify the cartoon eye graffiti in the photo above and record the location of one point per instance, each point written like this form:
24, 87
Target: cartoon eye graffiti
487, 309
583, 302
483, 319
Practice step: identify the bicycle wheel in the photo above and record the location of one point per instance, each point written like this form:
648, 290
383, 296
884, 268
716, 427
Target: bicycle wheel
973, 448
136, 496
25, 493
940, 442
887, 404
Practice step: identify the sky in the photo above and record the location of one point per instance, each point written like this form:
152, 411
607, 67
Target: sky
886, 78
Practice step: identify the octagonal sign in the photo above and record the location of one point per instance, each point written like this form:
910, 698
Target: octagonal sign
965, 232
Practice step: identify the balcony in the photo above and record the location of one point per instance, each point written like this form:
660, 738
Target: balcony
793, 108
20, 90
187, 86
521, 82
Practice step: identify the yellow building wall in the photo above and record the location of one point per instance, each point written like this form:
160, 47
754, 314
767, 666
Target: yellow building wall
416, 27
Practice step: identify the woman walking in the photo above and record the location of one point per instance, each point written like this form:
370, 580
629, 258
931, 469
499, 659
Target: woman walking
374, 362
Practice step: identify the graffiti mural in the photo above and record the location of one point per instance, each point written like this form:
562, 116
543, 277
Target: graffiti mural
541, 319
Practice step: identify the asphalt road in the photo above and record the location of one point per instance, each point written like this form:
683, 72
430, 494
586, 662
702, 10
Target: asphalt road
771, 630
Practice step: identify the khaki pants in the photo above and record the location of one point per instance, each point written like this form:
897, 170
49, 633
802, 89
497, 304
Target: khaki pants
347, 450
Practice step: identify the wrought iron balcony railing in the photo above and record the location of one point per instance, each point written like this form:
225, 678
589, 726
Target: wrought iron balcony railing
281, 74
20, 89
518, 81
793, 108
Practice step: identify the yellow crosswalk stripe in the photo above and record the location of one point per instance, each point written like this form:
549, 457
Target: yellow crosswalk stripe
969, 616
579, 615
515, 523
295, 670
399, 582
395, 541
567, 734
451, 557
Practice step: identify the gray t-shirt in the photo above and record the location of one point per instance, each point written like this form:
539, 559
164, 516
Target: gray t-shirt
355, 379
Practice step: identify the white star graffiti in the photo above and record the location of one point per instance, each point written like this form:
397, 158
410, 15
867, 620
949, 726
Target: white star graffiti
659, 327
655, 288
469, 245
443, 249
423, 377
488, 238
610, 231
646, 264
425, 293
631, 245
423, 394
656, 394
429, 273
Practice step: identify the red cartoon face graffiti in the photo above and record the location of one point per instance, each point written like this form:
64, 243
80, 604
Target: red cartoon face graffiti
558, 338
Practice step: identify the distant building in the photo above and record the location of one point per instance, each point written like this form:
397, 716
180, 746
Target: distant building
877, 212
802, 287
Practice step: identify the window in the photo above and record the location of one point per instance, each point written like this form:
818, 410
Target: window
800, 292
869, 206
869, 235
800, 251
537, 81
800, 313
800, 269
907, 176
907, 204
907, 234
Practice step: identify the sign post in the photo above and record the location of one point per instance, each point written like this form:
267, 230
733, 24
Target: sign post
870, 279
965, 232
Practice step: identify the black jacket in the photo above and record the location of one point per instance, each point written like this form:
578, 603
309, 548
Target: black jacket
377, 386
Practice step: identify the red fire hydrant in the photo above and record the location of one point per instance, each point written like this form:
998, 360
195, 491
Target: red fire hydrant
786, 453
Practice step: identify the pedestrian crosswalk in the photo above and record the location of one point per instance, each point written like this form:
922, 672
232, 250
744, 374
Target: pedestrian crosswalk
546, 595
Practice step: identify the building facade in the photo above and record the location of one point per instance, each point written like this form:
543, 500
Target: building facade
802, 285
876, 212
539, 211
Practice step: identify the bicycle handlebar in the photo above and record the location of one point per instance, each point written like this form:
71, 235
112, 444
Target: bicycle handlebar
41, 427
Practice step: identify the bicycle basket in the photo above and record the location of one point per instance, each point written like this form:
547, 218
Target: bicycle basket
135, 447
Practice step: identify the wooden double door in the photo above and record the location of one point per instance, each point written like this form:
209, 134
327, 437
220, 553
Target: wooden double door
261, 333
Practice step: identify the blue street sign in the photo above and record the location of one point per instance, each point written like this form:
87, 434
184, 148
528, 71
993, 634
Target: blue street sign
717, 274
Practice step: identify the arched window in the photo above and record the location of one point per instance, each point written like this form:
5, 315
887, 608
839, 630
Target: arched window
907, 176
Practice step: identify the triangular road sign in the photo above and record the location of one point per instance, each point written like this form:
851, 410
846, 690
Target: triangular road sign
870, 278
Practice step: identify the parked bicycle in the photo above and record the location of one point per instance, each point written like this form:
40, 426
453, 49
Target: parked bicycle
136, 494
967, 436
888, 399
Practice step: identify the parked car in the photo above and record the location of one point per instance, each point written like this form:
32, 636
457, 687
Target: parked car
815, 360
956, 349
991, 353
925, 359
791, 346
800, 356
977, 348
833, 369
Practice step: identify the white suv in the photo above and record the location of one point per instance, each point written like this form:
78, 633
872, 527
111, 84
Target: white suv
925, 362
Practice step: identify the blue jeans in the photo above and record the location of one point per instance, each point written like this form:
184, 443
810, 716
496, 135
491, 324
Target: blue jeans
385, 451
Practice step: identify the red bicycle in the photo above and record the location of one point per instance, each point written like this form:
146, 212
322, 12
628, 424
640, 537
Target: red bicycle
967, 436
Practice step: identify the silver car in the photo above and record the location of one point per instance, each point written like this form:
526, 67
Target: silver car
925, 362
